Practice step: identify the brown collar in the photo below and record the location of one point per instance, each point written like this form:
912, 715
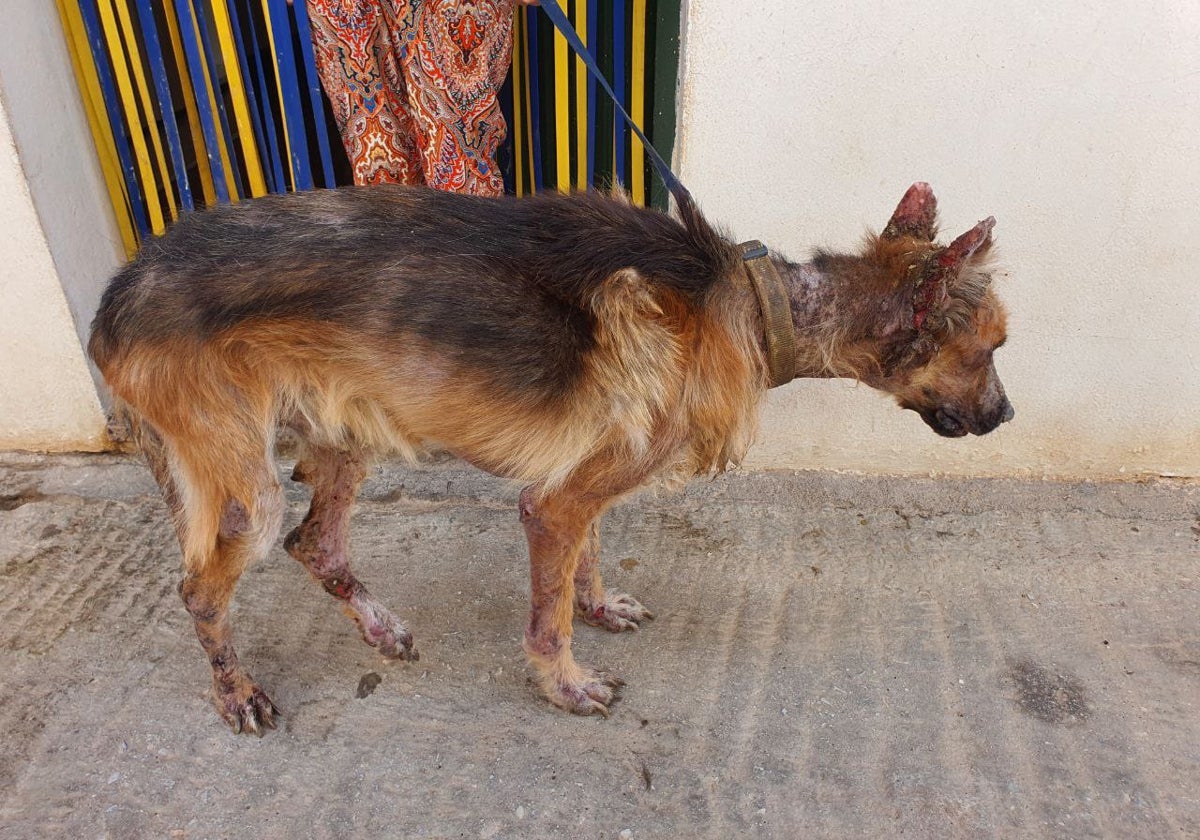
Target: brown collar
776, 312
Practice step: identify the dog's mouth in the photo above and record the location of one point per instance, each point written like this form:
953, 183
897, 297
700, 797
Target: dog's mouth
945, 422
949, 423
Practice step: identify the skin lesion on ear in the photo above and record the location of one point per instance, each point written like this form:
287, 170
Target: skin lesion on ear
915, 216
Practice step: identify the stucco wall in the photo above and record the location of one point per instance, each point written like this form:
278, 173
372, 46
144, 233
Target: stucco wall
46, 117
1076, 125
47, 397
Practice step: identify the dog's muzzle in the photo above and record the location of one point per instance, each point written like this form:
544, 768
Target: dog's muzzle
948, 422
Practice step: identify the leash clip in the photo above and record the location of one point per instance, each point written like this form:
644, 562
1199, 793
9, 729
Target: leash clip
753, 250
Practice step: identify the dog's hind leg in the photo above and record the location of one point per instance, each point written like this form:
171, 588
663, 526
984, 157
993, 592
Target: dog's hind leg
208, 583
248, 504
556, 527
614, 611
150, 444
321, 544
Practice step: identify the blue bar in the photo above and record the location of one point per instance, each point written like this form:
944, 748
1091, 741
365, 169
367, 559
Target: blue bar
285, 66
275, 157
535, 108
191, 49
91, 22
593, 15
505, 98
166, 106
314, 91
620, 132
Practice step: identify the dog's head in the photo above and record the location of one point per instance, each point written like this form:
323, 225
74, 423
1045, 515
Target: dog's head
937, 358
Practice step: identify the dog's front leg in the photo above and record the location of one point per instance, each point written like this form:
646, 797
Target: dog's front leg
556, 528
614, 611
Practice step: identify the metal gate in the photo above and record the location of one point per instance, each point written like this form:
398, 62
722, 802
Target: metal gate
193, 102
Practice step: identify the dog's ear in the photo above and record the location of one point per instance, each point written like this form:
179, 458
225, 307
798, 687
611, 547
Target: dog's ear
915, 216
961, 250
945, 278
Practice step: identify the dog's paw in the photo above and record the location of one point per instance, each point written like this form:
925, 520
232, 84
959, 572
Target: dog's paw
399, 645
618, 612
591, 692
384, 631
244, 706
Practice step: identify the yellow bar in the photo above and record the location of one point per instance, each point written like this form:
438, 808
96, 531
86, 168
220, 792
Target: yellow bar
237, 92
230, 183
129, 104
93, 106
189, 104
637, 101
518, 80
143, 89
287, 141
562, 115
581, 111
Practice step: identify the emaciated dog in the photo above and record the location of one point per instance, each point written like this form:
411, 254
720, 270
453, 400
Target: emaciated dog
577, 343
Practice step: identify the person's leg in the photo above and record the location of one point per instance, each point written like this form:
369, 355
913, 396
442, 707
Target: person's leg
359, 70
456, 57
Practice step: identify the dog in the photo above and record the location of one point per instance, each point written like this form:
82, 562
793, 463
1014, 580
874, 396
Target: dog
575, 343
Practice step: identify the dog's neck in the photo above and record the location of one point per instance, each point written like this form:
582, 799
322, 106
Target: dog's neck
817, 299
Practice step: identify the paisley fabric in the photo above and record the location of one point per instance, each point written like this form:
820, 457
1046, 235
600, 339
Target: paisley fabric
414, 86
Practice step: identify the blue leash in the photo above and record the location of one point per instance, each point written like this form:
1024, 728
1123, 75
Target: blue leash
559, 19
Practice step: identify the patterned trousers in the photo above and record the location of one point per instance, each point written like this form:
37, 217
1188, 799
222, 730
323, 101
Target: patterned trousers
414, 86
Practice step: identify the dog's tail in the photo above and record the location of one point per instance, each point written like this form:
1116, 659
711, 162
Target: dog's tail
708, 240
104, 343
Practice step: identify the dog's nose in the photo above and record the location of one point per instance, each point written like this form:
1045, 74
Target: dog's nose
1009, 413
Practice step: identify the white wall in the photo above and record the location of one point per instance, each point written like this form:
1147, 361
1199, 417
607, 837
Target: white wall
1076, 124
59, 242
47, 396
46, 117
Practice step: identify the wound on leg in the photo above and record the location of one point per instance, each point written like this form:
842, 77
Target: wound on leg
235, 520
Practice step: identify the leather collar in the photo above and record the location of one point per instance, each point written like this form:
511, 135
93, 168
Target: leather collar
776, 312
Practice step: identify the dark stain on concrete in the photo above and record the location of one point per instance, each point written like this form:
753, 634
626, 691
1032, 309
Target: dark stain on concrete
1182, 656
369, 682
689, 530
12, 501
1047, 694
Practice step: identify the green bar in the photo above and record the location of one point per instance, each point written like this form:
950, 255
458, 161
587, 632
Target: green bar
664, 76
604, 114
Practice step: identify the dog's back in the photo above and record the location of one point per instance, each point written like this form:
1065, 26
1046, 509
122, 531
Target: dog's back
524, 335
504, 284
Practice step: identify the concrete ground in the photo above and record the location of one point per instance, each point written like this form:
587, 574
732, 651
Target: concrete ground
834, 657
